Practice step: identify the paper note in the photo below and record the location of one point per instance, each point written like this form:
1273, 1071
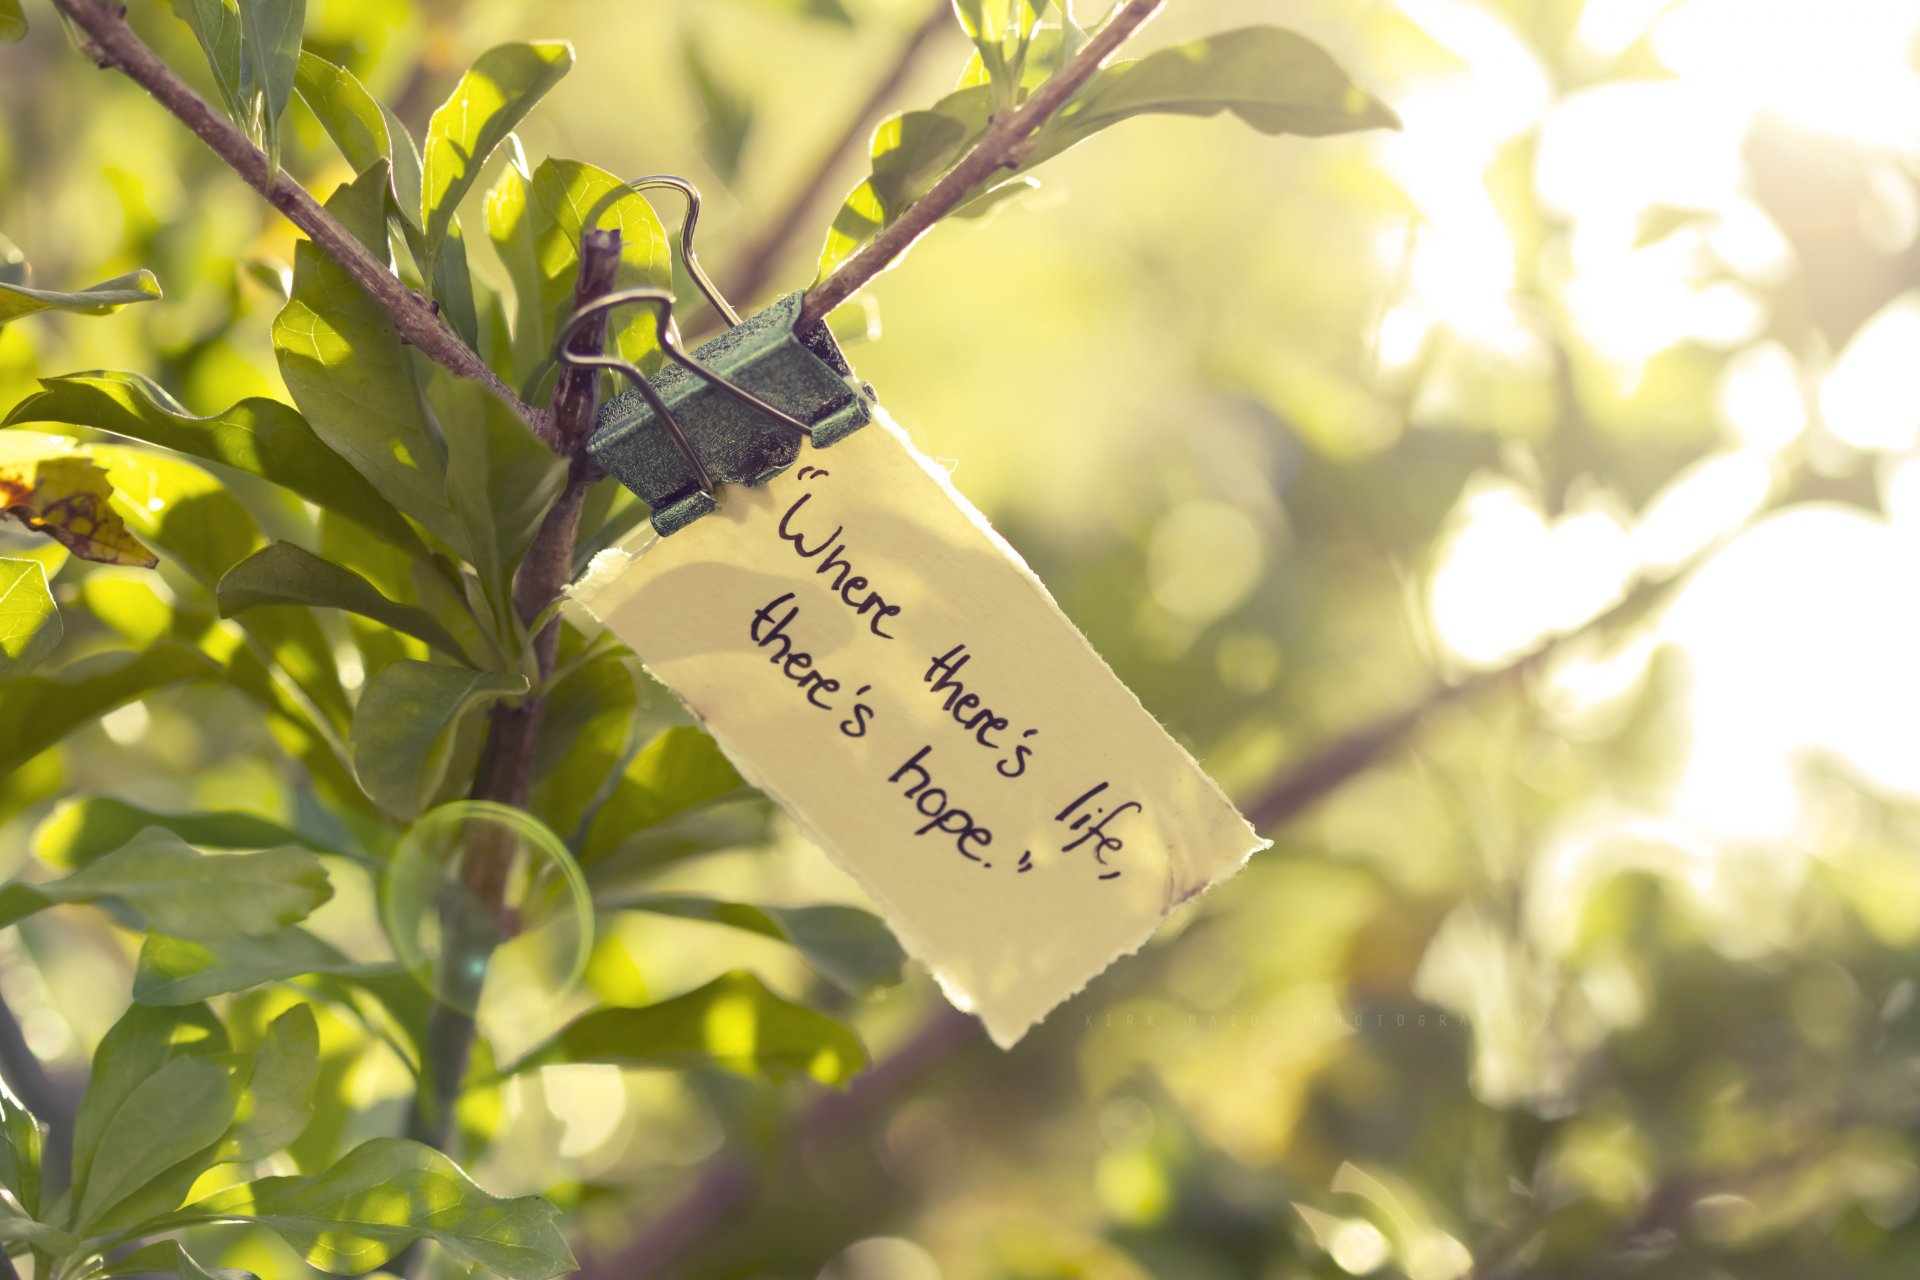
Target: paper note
872, 655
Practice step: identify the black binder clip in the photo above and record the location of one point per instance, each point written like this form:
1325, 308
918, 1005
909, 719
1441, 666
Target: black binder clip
735, 411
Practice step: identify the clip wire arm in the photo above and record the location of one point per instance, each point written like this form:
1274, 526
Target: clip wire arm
668, 335
700, 279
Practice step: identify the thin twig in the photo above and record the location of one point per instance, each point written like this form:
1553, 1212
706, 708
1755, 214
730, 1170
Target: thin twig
764, 256
112, 43
999, 147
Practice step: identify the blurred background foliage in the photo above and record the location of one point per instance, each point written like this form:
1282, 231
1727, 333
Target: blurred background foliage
1610, 972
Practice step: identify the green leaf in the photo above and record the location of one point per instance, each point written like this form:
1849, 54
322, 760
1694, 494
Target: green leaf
271, 30
259, 436
403, 728
639, 854
585, 733
158, 881
910, 152
80, 831
277, 1104
491, 98
38, 711
137, 1110
19, 1228
734, 1023
350, 115
17, 300
1274, 80
281, 573
181, 971
181, 1109
511, 225
365, 130
388, 1193
848, 947
165, 1257
1277, 81
21, 1140
30, 627
191, 515
680, 769
13, 22
351, 376
501, 479
216, 24
572, 197
729, 111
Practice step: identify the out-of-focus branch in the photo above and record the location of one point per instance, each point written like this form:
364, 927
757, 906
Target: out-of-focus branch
999, 147
50, 1103
764, 256
1328, 769
112, 43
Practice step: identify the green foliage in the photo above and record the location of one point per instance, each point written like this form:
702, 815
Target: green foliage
29, 623
383, 1196
13, 22
17, 300
734, 1023
252, 48
1274, 80
282, 573
572, 197
160, 1099
183, 971
277, 1104
680, 770
404, 728
848, 947
158, 881
79, 832
336, 578
257, 436
495, 95
40, 710
352, 378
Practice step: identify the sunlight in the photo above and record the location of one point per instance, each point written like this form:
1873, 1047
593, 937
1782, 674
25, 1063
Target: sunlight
1871, 396
1839, 67
1508, 578
1800, 637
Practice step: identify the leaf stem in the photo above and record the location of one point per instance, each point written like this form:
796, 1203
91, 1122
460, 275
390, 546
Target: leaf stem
999, 147
112, 43
765, 255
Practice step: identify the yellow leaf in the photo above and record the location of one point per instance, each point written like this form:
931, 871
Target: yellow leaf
69, 499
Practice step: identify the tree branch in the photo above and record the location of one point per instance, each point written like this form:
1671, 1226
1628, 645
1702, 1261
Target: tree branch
764, 256
1000, 147
513, 728
112, 43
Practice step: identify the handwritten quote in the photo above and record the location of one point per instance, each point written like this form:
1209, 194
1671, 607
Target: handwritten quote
1092, 820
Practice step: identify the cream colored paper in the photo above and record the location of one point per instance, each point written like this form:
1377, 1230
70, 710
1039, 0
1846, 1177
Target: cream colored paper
1024, 877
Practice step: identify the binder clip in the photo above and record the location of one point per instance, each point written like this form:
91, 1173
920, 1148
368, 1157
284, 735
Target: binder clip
737, 410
